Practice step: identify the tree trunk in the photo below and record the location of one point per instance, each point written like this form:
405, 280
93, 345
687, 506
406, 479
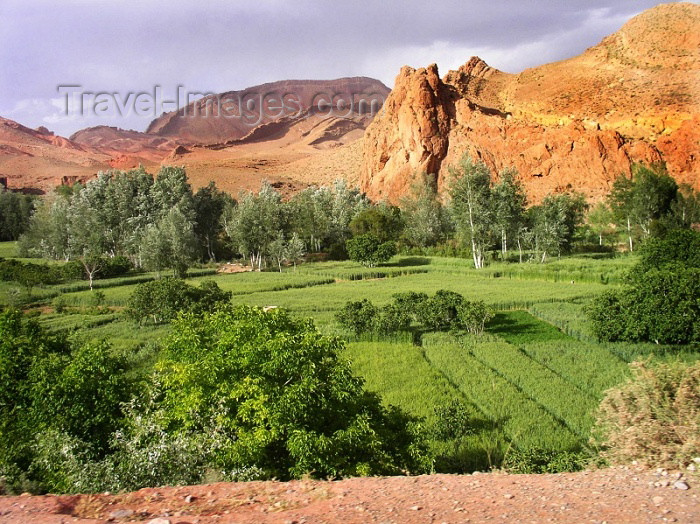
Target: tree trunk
520, 251
629, 234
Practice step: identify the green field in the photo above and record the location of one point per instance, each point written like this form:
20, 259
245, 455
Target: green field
533, 380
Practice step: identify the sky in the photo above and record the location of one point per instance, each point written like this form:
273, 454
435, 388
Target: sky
127, 47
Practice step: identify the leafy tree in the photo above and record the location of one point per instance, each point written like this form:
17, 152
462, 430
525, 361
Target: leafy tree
600, 219
209, 206
442, 310
15, 212
358, 317
310, 216
345, 204
473, 316
471, 205
383, 221
555, 222
508, 200
425, 220
369, 250
161, 300
295, 249
254, 224
639, 202
661, 303
278, 250
282, 397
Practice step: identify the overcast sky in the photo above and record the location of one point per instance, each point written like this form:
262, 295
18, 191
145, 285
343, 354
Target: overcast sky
217, 45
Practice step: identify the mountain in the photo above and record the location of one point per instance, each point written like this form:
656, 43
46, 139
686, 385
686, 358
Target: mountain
287, 133
36, 159
570, 125
234, 114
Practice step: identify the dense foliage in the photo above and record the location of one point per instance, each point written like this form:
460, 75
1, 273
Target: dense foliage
161, 300
15, 211
369, 250
445, 310
661, 302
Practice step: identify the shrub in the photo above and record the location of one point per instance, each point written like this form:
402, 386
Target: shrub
161, 300
473, 316
282, 398
654, 418
660, 305
441, 311
368, 250
536, 460
393, 318
358, 317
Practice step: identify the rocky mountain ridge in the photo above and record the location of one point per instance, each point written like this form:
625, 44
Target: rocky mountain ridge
570, 125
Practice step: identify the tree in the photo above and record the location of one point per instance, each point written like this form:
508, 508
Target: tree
281, 398
15, 213
278, 250
254, 224
295, 249
470, 194
209, 206
382, 220
555, 222
639, 202
425, 221
660, 304
310, 216
368, 250
171, 243
509, 200
359, 317
600, 219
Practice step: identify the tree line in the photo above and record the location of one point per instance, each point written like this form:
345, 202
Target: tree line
160, 223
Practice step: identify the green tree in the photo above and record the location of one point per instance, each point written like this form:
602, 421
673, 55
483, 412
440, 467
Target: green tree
295, 249
425, 220
359, 316
600, 219
382, 220
15, 213
509, 201
369, 250
254, 224
555, 222
282, 396
471, 205
209, 206
660, 304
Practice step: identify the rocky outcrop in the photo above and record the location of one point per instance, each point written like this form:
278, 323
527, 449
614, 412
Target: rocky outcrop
572, 125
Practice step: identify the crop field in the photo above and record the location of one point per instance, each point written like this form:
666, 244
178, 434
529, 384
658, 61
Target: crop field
533, 380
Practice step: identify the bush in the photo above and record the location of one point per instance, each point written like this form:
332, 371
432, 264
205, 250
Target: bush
282, 397
161, 300
473, 316
654, 418
368, 250
358, 317
535, 460
441, 311
660, 305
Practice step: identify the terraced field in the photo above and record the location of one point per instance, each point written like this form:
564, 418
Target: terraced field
533, 380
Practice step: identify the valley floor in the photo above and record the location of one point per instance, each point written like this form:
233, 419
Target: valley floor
608, 495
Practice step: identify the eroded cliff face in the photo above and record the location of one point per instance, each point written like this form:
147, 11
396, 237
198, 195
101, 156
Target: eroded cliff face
571, 125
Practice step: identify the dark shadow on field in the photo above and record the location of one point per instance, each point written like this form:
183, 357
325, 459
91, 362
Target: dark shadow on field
480, 448
520, 326
411, 261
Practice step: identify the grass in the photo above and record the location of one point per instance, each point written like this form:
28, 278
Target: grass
533, 380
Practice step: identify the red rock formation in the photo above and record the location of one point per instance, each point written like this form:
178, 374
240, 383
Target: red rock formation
571, 125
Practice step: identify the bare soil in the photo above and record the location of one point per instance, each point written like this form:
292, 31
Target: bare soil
609, 495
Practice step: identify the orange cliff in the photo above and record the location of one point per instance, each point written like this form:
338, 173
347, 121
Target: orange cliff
570, 125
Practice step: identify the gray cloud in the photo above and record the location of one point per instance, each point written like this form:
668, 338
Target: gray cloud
220, 45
